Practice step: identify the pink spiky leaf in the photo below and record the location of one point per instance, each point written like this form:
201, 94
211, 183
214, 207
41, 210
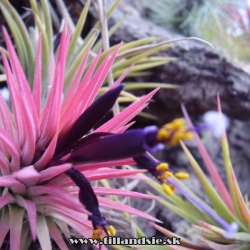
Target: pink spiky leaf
54, 171
69, 213
16, 223
27, 176
55, 191
43, 233
23, 84
73, 87
51, 112
37, 85
80, 93
114, 191
63, 177
56, 234
58, 203
5, 199
104, 202
220, 186
126, 115
6, 117
30, 207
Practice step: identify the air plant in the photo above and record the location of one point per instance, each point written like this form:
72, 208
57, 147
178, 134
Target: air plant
37, 198
225, 223
224, 23
41, 141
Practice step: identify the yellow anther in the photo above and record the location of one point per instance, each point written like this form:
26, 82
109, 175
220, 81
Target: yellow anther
111, 231
181, 175
178, 124
168, 126
163, 134
162, 178
168, 174
95, 234
162, 167
167, 189
172, 187
188, 135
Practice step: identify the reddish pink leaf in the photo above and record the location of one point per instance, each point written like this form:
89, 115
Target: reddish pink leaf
211, 167
63, 177
16, 222
30, 207
51, 112
54, 171
104, 202
59, 203
6, 117
6, 199
240, 201
126, 115
70, 213
123, 128
119, 80
56, 234
79, 95
47, 155
114, 191
74, 85
37, 85
56, 192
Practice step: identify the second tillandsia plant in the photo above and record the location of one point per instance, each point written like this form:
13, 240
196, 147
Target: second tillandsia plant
225, 223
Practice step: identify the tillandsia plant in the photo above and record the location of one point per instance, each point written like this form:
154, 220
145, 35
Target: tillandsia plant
224, 23
40, 142
224, 224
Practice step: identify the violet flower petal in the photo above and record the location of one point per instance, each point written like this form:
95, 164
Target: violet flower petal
131, 143
89, 118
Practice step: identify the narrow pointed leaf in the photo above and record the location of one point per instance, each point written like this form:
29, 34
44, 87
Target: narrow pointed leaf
56, 234
43, 233
16, 222
87, 120
220, 186
30, 207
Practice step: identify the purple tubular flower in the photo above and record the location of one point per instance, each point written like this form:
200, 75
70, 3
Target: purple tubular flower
87, 120
131, 143
145, 161
88, 198
159, 170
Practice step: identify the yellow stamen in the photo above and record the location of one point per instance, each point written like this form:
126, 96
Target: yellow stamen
95, 234
167, 189
162, 178
178, 124
168, 174
172, 187
163, 134
162, 167
111, 231
181, 175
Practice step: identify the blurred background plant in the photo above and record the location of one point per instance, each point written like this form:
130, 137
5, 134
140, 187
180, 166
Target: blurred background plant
229, 207
140, 53
224, 23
